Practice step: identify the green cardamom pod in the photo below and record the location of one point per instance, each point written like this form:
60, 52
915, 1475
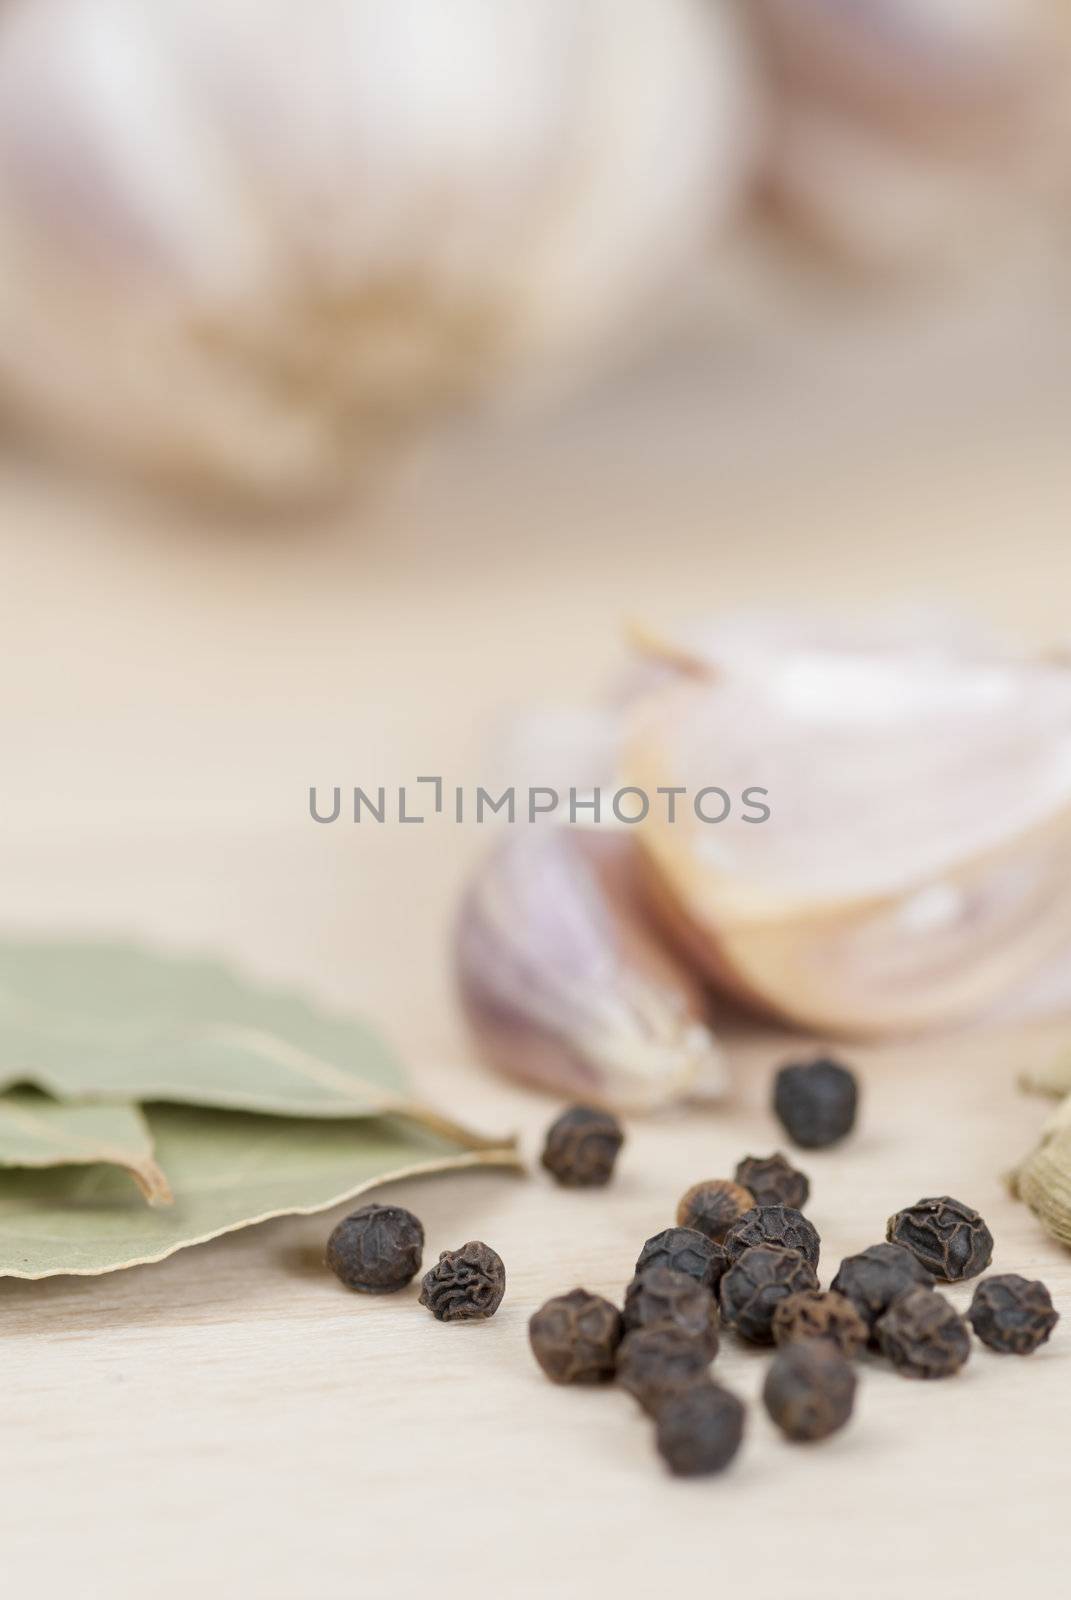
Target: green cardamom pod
1043, 1180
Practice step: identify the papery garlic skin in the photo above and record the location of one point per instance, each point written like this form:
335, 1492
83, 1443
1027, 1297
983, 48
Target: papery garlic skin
244, 245
564, 985
917, 862
912, 132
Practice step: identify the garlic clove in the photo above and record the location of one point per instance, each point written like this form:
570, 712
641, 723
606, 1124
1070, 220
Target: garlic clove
914, 64
563, 984
918, 131
560, 747
744, 642
917, 863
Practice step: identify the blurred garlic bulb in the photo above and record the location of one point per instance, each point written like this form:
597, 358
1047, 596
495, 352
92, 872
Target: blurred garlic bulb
917, 862
566, 988
915, 128
244, 244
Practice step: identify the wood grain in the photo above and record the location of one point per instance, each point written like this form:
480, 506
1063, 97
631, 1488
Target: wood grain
234, 1419
231, 1421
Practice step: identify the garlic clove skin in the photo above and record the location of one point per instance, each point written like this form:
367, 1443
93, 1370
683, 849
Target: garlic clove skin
896, 968
564, 985
917, 863
560, 747
247, 250
745, 642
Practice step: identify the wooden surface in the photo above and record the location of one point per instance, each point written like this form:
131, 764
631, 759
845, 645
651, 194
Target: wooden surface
231, 1421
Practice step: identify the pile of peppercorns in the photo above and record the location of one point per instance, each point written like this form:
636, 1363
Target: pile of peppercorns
744, 1255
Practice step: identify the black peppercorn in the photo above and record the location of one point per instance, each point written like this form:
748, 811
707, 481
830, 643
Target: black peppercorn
699, 1429
661, 1295
877, 1277
684, 1250
816, 1102
581, 1147
711, 1207
756, 1282
809, 1389
465, 1285
1011, 1314
820, 1314
949, 1238
924, 1336
575, 1336
780, 1225
656, 1361
774, 1181
377, 1249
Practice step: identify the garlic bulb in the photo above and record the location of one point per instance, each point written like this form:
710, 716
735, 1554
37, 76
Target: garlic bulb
243, 245
912, 128
917, 861
564, 985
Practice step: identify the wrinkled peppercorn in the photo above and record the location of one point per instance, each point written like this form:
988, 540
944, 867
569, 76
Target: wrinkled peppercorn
711, 1207
809, 1389
924, 1336
377, 1249
820, 1314
816, 1102
699, 1429
657, 1361
465, 1285
662, 1295
877, 1277
581, 1147
684, 1250
780, 1225
756, 1282
949, 1238
774, 1181
1012, 1314
575, 1336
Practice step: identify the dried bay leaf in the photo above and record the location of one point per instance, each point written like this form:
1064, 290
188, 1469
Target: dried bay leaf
38, 1132
229, 1170
94, 1021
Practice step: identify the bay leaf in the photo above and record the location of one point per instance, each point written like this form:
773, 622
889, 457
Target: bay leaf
38, 1132
95, 1021
229, 1170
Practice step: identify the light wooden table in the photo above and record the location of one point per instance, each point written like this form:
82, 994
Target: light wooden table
231, 1421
